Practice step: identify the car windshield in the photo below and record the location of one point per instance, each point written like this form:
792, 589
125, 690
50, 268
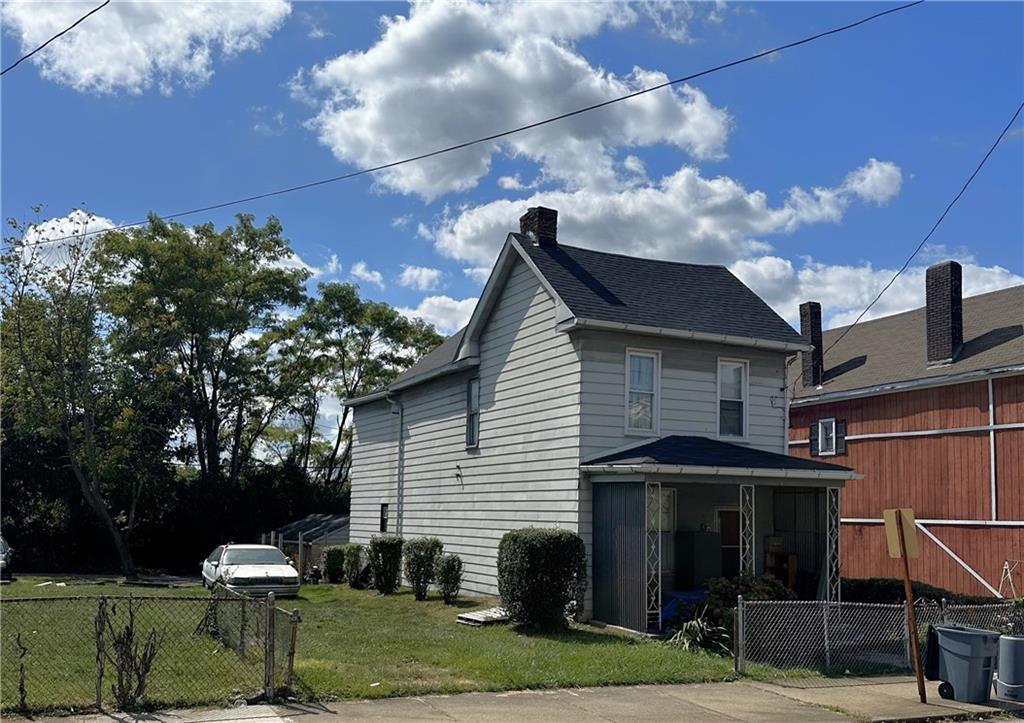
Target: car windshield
257, 556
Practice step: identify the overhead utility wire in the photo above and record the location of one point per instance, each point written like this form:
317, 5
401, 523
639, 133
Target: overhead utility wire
495, 136
931, 231
68, 29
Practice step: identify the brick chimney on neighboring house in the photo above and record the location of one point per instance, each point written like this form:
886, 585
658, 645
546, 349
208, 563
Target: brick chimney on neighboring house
541, 225
810, 330
944, 312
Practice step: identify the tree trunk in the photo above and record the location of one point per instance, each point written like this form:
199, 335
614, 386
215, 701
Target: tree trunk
124, 554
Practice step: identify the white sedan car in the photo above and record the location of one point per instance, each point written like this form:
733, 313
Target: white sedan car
251, 569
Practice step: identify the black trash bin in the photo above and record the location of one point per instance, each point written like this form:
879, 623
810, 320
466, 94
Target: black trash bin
967, 661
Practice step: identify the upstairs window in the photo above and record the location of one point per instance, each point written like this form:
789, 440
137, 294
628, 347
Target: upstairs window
642, 389
827, 437
384, 517
472, 412
732, 398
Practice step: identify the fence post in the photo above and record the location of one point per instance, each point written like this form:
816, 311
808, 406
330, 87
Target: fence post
263, 538
302, 553
740, 654
906, 635
243, 603
942, 611
101, 622
268, 660
828, 647
296, 619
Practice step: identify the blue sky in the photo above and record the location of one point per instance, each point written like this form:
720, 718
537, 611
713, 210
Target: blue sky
172, 105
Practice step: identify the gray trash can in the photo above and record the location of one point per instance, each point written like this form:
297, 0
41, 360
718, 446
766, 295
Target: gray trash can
1010, 675
967, 661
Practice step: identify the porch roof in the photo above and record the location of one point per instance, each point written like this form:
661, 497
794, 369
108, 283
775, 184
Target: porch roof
677, 454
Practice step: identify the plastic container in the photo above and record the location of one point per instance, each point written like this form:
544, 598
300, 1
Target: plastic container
967, 661
1010, 675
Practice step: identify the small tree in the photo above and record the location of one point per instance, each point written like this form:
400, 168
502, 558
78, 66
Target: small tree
353, 553
420, 556
448, 573
542, 574
334, 564
385, 555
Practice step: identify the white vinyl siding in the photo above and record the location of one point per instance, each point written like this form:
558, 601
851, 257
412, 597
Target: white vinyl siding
689, 390
525, 469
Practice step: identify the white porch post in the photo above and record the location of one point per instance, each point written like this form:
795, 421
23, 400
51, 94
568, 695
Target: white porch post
832, 558
747, 529
652, 544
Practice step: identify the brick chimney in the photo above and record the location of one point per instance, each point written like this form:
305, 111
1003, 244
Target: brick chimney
541, 225
810, 330
944, 312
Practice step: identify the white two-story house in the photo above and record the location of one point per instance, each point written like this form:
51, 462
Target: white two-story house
639, 403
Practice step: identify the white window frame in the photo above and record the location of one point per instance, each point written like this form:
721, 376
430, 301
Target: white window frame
745, 363
656, 403
822, 422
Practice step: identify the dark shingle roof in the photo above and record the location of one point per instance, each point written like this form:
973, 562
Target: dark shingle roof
440, 356
892, 349
704, 452
317, 527
630, 290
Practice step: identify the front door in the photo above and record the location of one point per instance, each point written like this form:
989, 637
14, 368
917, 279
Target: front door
729, 531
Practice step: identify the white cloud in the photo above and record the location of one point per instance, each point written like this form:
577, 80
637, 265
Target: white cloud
421, 278
401, 221
479, 274
81, 226
447, 314
512, 63
876, 181
512, 183
845, 290
268, 123
363, 272
130, 45
684, 216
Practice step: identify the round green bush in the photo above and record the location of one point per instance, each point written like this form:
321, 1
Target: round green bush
420, 555
334, 564
542, 575
385, 556
353, 553
448, 573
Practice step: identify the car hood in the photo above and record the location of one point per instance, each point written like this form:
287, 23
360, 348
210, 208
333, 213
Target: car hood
258, 571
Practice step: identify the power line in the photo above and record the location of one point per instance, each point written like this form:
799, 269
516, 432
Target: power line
512, 131
71, 27
931, 231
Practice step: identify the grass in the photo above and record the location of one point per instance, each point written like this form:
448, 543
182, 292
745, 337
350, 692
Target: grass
351, 644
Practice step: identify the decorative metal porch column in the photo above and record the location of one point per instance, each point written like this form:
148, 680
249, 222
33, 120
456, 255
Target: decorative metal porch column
747, 529
652, 554
832, 558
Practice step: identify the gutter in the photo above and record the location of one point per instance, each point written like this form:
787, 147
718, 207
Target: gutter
679, 469
920, 383
450, 368
732, 340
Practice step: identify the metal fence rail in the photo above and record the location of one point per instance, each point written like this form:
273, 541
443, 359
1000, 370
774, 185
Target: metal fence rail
849, 638
70, 653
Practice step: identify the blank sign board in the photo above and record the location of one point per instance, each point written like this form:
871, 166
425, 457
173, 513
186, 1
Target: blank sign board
892, 536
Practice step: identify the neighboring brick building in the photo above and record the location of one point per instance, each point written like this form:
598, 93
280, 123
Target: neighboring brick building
928, 406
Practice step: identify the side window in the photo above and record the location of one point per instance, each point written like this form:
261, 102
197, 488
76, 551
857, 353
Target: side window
827, 437
473, 412
643, 369
384, 517
732, 398
215, 555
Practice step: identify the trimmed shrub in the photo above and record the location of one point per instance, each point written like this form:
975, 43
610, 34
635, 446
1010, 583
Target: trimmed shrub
353, 553
420, 555
448, 573
385, 556
542, 576
890, 590
334, 564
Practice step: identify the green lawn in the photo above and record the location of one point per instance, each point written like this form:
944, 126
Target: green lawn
351, 644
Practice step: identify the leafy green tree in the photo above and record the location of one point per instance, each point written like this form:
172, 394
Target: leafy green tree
217, 300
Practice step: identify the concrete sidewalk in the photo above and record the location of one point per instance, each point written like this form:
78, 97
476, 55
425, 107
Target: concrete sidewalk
811, 701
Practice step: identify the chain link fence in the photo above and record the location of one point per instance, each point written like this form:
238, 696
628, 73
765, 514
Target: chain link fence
71, 654
813, 636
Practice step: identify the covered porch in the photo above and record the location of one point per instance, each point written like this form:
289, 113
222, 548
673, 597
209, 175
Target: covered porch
668, 515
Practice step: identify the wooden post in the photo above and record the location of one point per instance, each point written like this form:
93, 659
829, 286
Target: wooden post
915, 650
296, 619
270, 685
302, 553
272, 533
263, 538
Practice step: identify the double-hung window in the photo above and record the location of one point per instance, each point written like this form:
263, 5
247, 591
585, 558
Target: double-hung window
642, 389
732, 398
826, 436
473, 412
